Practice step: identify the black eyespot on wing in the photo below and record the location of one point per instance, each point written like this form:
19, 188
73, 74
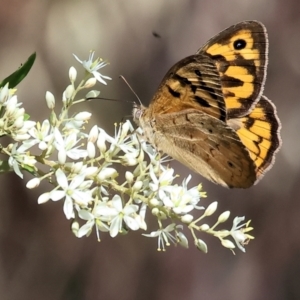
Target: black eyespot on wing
239, 44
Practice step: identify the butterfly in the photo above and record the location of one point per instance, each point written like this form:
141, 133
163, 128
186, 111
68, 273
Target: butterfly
209, 111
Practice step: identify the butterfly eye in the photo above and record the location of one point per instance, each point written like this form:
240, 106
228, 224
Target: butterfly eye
239, 44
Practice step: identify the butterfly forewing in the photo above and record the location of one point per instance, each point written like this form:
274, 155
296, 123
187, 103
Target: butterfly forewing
194, 82
241, 56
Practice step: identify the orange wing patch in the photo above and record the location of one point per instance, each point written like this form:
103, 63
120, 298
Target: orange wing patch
259, 132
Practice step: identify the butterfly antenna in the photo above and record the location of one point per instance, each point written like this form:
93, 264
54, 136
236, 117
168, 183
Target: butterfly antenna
109, 99
122, 77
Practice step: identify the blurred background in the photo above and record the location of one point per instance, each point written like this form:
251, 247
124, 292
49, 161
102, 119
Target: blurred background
39, 256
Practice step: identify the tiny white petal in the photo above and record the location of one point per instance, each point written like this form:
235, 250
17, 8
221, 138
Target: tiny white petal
85, 229
62, 156
57, 195
101, 141
76, 57
130, 209
93, 135
117, 202
115, 227
91, 150
61, 178
131, 223
4, 93
85, 215
68, 208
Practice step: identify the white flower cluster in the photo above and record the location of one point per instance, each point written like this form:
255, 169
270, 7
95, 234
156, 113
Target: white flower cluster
84, 168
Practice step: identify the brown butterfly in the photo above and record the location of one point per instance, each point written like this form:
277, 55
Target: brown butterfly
209, 112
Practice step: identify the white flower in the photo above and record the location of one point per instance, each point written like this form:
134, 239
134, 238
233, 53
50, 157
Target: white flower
140, 218
12, 105
91, 222
88, 226
19, 158
13, 160
180, 199
66, 146
238, 232
164, 236
73, 192
4, 93
117, 214
13, 121
165, 179
41, 135
93, 67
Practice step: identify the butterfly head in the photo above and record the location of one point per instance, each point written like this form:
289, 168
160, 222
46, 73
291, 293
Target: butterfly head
137, 112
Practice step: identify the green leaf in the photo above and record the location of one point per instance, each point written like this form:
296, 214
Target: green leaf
4, 166
15, 78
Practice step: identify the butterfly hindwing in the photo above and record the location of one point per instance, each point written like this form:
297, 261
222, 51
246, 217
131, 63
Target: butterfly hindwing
259, 132
241, 56
210, 148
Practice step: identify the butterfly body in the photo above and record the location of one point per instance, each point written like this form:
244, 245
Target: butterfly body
209, 113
